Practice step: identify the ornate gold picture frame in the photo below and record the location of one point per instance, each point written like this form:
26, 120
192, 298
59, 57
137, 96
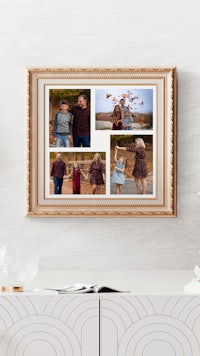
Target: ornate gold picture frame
101, 142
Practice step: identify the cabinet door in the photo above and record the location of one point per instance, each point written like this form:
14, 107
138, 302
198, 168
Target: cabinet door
149, 325
58, 325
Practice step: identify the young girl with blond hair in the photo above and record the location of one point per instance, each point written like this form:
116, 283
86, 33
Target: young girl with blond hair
118, 176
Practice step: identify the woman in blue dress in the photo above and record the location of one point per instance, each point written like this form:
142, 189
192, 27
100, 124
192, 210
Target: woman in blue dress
118, 176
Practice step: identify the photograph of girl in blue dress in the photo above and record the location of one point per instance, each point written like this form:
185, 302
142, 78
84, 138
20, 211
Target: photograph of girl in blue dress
131, 165
124, 109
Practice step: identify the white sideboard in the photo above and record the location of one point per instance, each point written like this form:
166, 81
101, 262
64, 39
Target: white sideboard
155, 319
139, 325
49, 325
108, 324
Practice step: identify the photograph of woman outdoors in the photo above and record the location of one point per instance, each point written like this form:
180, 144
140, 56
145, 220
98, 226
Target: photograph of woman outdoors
69, 122
96, 174
83, 172
137, 153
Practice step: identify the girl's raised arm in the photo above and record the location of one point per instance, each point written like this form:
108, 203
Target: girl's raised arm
115, 156
120, 148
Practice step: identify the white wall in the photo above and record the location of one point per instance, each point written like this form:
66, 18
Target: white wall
101, 33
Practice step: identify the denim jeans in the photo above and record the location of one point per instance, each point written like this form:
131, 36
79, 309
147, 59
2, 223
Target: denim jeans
84, 140
62, 139
58, 182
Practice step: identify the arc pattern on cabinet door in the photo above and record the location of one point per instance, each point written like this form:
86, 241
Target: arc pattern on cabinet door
59, 325
146, 326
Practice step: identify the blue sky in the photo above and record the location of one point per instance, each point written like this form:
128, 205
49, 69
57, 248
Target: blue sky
140, 100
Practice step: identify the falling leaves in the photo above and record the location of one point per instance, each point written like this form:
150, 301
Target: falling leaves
129, 98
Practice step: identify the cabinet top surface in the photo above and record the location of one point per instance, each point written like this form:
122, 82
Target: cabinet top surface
150, 282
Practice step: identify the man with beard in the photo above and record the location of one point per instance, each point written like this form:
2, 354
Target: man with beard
81, 122
58, 172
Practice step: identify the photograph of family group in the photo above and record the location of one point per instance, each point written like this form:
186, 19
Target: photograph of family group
130, 156
77, 173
